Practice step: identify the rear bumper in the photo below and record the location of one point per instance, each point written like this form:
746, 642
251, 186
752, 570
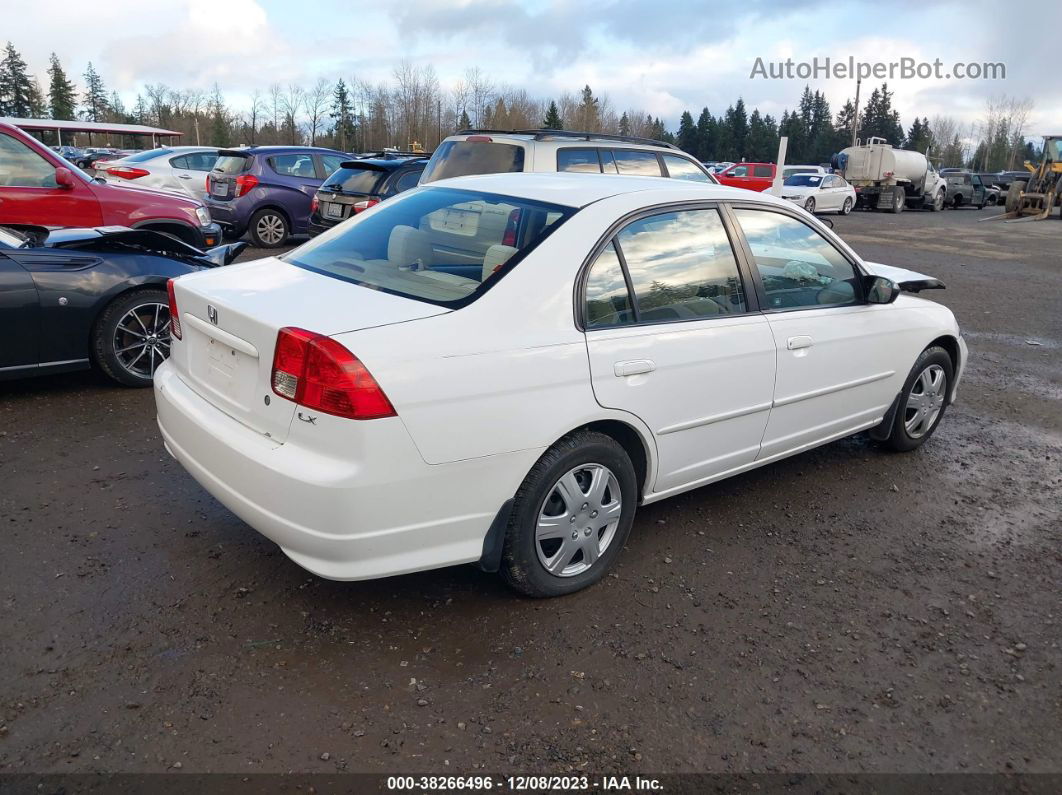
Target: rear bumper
227, 215
352, 508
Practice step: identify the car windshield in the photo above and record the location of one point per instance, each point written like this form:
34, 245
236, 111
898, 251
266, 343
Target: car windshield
804, 180
462, 158
355, 180
440, 245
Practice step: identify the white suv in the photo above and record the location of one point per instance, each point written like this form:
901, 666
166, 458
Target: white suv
493, 152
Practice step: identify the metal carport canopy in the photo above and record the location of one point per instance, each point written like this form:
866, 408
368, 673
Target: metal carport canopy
61, 125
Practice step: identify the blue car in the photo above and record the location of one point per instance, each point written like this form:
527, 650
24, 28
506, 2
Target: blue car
266, 191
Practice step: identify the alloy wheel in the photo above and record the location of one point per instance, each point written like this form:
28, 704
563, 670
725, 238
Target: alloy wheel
809, 205
925, 401
270, 229
578, 519
142, 339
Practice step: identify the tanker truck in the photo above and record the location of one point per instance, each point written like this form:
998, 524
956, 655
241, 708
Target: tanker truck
891, 179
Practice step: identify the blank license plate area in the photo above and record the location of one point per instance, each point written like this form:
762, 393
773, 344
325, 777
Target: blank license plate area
224, 371
220, 189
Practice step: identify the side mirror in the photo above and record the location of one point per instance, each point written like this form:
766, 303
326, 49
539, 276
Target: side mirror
881, 290
64, 178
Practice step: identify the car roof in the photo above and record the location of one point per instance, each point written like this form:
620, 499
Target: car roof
579, 190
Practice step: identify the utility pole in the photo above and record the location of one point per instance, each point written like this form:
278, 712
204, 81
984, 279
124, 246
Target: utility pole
855, 116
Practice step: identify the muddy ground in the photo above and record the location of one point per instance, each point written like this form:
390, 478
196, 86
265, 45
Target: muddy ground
846, 610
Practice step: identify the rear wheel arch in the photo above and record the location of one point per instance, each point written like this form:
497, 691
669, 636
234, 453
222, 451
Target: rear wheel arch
633, 443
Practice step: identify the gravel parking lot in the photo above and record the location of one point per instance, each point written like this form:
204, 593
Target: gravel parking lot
846, 610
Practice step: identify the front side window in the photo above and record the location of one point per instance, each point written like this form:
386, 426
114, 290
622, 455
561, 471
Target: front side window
681, 267
21, 167
631, 161
798, 266
608, 302
463, 158
584, 161
439, 245
681, 168
740, 171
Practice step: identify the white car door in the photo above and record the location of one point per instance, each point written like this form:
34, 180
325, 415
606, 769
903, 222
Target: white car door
673, 337
841, 361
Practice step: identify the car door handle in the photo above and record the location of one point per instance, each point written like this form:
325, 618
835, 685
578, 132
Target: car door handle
185, 176
635, 367
796, 343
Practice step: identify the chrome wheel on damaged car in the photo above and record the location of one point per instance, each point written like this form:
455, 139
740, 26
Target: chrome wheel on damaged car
923, 401
578, 520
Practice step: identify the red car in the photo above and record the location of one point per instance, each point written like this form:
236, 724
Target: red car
753, 176
40, 188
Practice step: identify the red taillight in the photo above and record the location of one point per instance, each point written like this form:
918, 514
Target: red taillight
245, 183
317, 372
127, 172
175, 319
314, 203
480, 139
511, 226
208, 183
365, 205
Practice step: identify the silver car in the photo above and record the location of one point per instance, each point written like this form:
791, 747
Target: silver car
181, 169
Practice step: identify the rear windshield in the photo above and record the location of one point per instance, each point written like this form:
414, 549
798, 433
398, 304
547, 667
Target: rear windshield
231, 164
140, 157
461, 158
439, 245
355, 180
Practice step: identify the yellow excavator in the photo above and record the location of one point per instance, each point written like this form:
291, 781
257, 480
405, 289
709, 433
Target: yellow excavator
1034, 198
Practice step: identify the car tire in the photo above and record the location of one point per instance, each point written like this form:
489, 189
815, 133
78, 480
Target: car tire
809, 205
133, 326
269, 228
846, 208
923, 401
938, 202
601, 517
956, 203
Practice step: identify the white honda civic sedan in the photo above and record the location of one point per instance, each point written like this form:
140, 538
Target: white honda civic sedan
499, 369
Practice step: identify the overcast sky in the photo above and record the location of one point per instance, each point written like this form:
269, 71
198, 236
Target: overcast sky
661, 55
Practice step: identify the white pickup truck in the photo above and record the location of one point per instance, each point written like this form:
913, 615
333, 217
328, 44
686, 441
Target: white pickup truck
891, 179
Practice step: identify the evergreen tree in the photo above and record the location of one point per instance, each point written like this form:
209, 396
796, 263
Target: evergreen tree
588, 118
687, 134
343, 115
919, 137
819, 131
763, 138
95, 96
62, 94
16, 88
464, 123
38, 108
624, 123
792, 127
706, 136
842, 126
553, 120
220, 123
737, 124
880, 120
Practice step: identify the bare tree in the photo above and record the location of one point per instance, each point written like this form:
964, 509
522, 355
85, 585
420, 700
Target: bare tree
257, 109
315, 103
276, 95
290, 105
481, 93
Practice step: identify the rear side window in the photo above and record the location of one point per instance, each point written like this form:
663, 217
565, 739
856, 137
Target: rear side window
681, 168
608, 302
761, 171
681, 266
300, 166
462, 158
232, 164
150, 154
409, 179
195, 161
355, 180
631, 161
583, 161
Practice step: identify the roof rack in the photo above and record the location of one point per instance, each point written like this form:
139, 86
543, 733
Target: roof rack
545, 135
391, 153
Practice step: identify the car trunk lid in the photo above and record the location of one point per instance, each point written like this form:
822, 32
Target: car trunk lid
230, 318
